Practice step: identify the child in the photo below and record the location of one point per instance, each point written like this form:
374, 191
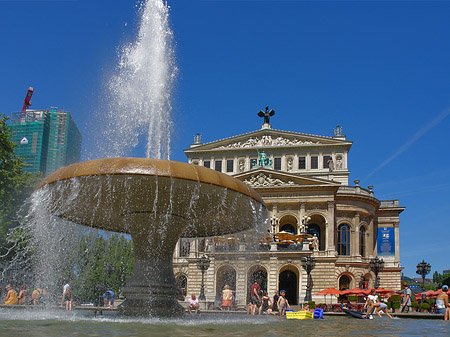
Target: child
283, 303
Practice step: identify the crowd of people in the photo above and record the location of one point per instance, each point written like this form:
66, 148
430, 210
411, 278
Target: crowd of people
23, 297
38, 296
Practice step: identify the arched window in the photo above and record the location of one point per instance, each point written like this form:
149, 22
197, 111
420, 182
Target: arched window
362, 241
343, 241
344, 282
182, 285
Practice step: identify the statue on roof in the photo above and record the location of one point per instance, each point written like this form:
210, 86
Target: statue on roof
266, 114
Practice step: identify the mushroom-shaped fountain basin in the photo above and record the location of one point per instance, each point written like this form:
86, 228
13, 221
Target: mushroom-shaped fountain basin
156, 202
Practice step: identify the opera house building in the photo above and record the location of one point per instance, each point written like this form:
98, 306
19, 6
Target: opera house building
314, 211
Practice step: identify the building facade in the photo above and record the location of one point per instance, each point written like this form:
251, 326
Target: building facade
46, 139
303, 179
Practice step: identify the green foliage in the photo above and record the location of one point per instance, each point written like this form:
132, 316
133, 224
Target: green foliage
440, 279
415, 304
395, 305
430, 287
15, 184
104, 264
352, 298
425, 306
432, 300
395, 298
312, 304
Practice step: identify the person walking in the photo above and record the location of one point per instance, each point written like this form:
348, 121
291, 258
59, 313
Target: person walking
406, 301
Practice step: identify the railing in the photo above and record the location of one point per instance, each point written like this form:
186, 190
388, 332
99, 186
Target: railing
354, 190
389, 203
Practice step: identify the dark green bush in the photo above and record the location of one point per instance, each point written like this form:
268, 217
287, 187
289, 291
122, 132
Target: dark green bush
415, 304
395, 298
425, 306
312, 304
395, 305
352, 298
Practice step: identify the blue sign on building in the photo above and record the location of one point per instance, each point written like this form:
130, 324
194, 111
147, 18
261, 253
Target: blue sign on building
386, 241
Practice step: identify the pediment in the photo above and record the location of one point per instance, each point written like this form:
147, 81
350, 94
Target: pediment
268, 138
267, 178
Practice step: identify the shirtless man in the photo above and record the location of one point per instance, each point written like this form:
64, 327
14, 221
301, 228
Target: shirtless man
283, 303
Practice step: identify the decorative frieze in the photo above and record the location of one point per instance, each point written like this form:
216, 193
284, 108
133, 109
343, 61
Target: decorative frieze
267, 140
266, 180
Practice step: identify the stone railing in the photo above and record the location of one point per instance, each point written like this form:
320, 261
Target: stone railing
354, 190
389, 203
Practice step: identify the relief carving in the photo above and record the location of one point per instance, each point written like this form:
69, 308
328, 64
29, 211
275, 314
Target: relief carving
267, 140
263, 180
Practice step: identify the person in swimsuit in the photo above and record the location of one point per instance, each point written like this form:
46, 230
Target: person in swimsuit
23, 295
274, 302
371, 299
265, 306
283, 303
11, 296
442, 305
227, 298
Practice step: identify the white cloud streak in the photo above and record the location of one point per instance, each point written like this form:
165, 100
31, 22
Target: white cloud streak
411, 141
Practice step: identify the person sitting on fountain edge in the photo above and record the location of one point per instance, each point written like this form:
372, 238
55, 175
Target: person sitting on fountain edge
108, 299
193, 304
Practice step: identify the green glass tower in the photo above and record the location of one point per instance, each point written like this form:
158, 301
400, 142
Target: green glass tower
46, 139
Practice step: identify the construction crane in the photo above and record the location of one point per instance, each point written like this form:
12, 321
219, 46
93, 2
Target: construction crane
27, 102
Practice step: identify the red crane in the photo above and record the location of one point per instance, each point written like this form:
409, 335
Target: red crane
27, 102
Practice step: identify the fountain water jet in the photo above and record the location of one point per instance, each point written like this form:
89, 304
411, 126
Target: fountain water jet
156, 202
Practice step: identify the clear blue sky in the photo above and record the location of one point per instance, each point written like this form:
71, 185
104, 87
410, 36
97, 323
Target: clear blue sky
379, 69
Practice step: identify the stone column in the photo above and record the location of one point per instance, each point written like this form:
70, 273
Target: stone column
397, 241
330, 230
355, 243
241, 280
272, 276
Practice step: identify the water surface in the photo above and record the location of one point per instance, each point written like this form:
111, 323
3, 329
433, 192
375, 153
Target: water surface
60, 323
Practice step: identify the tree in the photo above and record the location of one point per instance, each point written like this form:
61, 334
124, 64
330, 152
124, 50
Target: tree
105, 263
15, 184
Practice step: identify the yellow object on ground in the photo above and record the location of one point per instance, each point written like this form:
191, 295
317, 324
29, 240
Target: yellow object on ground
299, 315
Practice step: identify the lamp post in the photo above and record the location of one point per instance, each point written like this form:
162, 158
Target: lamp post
423, 269
274, 221
203, 265
376, 265
308, 264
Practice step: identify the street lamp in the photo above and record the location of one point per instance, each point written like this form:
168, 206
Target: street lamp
376, 265
423, 269
274, 221
203, 265
308, 264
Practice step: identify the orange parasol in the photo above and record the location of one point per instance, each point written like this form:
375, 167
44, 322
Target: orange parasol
329, 291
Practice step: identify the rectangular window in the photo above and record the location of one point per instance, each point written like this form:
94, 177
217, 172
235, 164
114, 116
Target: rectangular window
277, 164
185, 247
301, 163
326, 161
230, 164
207, 163
218, 165
314, 162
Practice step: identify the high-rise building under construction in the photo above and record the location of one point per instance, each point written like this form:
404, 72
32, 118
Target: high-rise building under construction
46, 139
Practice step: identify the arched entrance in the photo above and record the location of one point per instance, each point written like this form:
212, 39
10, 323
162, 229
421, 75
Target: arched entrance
256, 274
344, 282
288, 223
226, 275
288, 280
288, 228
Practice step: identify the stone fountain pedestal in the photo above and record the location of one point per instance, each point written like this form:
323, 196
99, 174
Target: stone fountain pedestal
156, 202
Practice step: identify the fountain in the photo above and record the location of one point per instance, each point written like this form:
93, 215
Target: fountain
156, 202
